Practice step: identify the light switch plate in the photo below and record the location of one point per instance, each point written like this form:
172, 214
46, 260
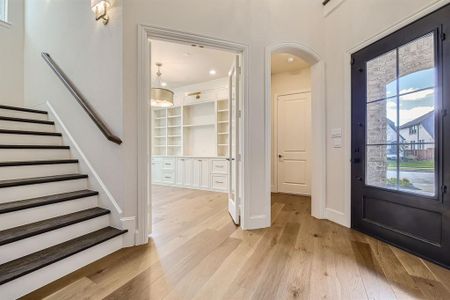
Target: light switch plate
336, 133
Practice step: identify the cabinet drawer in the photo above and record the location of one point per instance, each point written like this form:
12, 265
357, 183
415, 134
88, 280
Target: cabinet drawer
219, 182
220, 166
168, 164
156, 159
168, 176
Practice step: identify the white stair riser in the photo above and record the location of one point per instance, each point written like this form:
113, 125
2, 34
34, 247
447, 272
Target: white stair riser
36, 214
43, 189
19, 172
26, 126
39, 242
33, 154
28, 283
22, 114
28, 139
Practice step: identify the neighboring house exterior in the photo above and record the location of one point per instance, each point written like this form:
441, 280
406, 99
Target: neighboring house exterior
419, 135
391, 134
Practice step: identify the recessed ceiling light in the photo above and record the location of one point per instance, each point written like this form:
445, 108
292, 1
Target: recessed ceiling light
212, 72
163, 83
290, 60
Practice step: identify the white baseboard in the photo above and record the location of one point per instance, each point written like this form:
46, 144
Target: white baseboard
256, 222
129, 223
337, 217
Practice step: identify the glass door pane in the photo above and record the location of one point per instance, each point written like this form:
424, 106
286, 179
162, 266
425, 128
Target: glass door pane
400, 134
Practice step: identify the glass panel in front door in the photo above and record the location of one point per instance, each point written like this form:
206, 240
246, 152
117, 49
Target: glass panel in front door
400, 134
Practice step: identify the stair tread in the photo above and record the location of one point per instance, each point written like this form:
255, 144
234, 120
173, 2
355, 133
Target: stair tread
26, 120
46, 200
38, 162
37, 180
23, 109
35, 261
29, 132
33, 147
25, 231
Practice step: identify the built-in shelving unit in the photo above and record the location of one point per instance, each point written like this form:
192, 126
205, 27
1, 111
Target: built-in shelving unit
190, 141
222, 117
159, 122
196, 129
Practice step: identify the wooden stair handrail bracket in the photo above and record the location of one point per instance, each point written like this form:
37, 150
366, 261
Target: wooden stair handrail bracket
81, 100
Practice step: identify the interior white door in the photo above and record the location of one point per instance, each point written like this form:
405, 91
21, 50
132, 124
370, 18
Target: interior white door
294, 143
233, 150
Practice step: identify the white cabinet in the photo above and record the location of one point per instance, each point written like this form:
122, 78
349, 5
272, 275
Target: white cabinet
191, 172
188, 163
156, 170
181, 166
219, 182
184, 172
200, 173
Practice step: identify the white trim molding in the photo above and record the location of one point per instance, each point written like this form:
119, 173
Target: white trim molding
145, 33
318, 118
427, 9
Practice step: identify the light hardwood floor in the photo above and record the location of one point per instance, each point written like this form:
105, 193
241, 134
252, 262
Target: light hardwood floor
196, 252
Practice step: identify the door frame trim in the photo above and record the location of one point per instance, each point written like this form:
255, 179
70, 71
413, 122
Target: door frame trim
318, 122
274, 174
146, 32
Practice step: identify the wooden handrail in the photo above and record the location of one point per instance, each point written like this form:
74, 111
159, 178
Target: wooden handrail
325, 2
81, 99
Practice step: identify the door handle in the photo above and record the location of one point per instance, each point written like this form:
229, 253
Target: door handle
280, 156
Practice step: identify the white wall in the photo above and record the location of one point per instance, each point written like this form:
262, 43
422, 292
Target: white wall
283, 83
253, 23
91, 55
11, 55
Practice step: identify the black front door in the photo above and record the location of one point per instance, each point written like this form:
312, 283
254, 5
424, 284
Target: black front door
401, 138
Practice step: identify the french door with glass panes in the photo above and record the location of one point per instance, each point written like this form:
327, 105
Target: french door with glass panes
401, 138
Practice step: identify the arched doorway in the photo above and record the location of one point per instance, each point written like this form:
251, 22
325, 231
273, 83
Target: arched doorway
318, 123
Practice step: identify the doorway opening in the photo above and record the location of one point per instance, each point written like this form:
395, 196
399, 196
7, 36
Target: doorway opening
291, 128
193, 93
295, 127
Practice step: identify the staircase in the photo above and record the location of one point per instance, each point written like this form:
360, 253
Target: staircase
50, 222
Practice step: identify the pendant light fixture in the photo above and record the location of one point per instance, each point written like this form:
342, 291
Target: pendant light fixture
161, 97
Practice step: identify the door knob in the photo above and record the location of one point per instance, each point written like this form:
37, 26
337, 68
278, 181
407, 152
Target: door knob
280, 156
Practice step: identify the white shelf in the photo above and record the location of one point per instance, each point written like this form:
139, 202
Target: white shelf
223, 110
198, 125
173, 145
222, 122
222, 133
160, 127
159, 146
222, 145
174, 136
171, 117
160, 136
173, 126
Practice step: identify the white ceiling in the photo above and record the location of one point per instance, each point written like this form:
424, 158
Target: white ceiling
281, 64
184, 64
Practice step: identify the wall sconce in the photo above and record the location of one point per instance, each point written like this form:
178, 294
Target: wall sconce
100, 8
